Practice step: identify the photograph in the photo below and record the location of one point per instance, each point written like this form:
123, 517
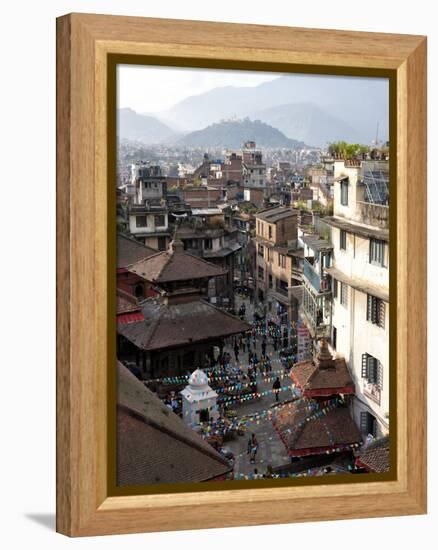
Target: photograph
252, 284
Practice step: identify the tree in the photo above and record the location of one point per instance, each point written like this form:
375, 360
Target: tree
347, 151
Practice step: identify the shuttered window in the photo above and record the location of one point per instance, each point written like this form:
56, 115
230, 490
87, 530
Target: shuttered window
377, 252
372, 370
376, 311
368, 424
344, 294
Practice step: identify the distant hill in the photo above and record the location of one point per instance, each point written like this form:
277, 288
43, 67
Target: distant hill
232, 133
357, 105
136, 127
308, 122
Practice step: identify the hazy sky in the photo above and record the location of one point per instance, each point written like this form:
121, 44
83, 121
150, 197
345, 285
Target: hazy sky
147, 89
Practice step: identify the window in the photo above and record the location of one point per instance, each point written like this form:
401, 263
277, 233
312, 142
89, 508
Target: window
372, 370
377, 252
344, 294
376, 311
334, 336
344, 193
270, 281
208, 244
162, 244
159, 220
342, 239
270, 231
141, 221
261, 250
139, 290
282, 286
282, 260
368, 424
261, 273
335, 288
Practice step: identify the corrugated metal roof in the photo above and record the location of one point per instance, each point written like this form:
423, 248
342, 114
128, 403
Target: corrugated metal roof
316, 243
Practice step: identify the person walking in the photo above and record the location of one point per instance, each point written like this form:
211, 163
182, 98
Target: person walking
276, 388
236, 351
256, 362
253, 446
268, 366
264, 347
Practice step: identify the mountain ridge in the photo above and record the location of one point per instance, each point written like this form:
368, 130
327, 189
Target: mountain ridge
233, 133
145, 128
360, 103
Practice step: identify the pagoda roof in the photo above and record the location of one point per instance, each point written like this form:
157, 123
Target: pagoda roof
154, 445
308, 428
167, 325
323, 376
174, 265
130, 250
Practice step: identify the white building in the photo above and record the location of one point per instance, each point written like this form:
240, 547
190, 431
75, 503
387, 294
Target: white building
360, 286
253, 168
150, 224
148, 182
199, 401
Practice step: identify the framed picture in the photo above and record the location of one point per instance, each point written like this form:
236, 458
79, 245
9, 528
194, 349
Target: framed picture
241, 227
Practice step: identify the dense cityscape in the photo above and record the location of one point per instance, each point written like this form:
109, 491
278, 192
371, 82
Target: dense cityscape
252, 312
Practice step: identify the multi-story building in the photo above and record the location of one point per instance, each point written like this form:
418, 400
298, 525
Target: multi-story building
253, 167
321, 181
219, 246
244, 224
232, 167
276, 263
316, 307
149, 224
360, 314
149, 182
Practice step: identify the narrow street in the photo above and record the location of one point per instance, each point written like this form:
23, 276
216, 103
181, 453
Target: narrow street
255, 412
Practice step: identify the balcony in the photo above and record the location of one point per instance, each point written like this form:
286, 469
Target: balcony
281, 290
316, 313
320, 284
373, 214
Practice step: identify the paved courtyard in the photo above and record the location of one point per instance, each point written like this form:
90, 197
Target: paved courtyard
271, 450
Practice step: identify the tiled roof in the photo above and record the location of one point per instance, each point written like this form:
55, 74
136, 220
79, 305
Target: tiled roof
375, 456
174, 265
126, 302
173, 325
129, 251
154, 445
313, 380
304, 431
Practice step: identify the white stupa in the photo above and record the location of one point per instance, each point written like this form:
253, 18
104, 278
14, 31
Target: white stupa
199, 401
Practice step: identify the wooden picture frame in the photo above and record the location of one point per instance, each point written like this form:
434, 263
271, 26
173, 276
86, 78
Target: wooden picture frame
84, 347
